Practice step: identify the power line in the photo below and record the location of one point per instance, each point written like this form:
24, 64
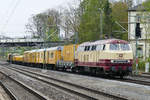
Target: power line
7, 11
10, 15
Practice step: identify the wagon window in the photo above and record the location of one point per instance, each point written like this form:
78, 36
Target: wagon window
114, 47
124, 47
52, 55
40, 55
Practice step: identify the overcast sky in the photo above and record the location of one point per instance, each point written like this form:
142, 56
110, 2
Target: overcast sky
14, 14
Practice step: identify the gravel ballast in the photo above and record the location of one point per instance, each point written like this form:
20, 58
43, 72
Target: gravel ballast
130, 90
44, 88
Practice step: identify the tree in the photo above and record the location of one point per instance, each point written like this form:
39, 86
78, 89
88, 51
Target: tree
89, 28
120, 15
108, 22
45, 25
146, 5
70, 22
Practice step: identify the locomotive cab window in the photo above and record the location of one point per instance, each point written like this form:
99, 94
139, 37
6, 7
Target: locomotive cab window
125, 47
114, 47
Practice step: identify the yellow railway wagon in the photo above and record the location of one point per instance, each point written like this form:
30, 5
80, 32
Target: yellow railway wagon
18, 58
68, 53
52, 55
40, 56
26, 57
68, 57
33, 57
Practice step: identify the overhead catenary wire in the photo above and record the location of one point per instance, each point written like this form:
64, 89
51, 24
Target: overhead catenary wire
10, 15
7, 11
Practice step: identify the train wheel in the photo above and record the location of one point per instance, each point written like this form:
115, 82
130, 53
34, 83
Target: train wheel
74, 70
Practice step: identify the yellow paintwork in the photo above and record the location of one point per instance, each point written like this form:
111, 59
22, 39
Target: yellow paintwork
18, 58
27, 57
68, 53
52, 56
41, 57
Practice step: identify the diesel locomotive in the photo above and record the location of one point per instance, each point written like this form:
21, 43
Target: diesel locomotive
111, 57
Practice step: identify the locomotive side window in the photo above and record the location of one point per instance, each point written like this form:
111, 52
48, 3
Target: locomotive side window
124, 47
104, 47
93, 47
114, 47
87, 48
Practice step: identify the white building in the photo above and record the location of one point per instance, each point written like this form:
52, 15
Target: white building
139, 14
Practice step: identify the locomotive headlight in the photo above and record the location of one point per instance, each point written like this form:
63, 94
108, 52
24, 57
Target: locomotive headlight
128, 61
112, 61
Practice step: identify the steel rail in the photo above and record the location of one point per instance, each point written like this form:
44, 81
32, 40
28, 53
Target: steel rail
10, 94
115, 96
31, 90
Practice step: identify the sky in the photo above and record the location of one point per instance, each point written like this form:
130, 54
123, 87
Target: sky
14, 14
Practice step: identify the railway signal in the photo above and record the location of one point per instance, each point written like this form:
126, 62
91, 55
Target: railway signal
137, 35
138, 31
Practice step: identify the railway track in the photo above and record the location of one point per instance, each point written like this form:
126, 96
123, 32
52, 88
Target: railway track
78, 90
7, 90
129, 80
14, 85
135, 81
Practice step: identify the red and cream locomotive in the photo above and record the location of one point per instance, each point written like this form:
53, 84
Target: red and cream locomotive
110, 56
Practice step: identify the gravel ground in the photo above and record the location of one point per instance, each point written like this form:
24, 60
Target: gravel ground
130, 90
139, 78
17, 89
44, 88
3, 94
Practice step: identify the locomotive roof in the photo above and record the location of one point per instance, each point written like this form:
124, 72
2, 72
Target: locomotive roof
54, 48
40, 50
108, 41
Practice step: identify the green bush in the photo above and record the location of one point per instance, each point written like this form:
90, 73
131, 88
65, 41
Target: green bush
141, 64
